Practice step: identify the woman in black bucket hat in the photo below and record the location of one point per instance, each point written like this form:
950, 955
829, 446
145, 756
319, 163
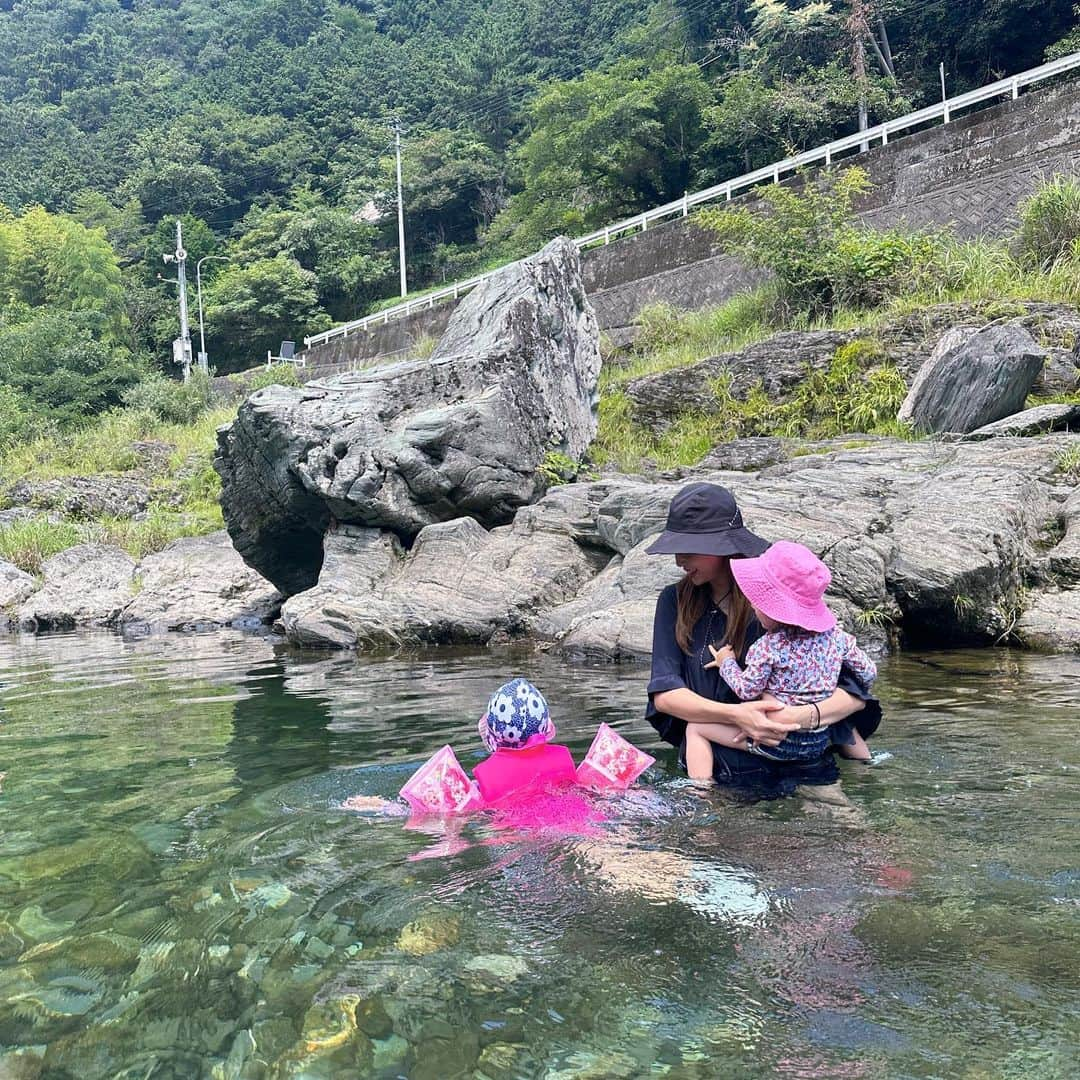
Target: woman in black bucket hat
704, 532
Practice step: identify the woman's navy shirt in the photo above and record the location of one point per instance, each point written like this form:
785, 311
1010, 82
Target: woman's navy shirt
672, 669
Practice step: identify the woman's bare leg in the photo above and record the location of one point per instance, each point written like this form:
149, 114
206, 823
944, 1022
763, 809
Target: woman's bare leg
856, 751
699, 759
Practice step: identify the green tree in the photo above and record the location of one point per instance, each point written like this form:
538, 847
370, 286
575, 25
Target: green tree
49, 260
337, 247
58, 362
605, 144
250, 309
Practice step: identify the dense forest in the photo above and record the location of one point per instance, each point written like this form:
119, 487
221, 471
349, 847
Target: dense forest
265, 126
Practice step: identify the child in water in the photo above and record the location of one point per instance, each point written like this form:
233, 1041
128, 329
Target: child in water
797, 660
517, 729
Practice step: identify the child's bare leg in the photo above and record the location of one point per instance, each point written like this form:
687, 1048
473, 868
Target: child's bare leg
699, 759
856, 751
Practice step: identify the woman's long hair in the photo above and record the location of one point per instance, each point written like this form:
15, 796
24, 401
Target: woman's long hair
692, 601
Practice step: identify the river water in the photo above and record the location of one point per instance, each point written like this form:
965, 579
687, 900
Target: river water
182, 896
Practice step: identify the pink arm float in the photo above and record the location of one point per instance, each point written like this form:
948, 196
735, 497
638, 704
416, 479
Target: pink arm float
441, 785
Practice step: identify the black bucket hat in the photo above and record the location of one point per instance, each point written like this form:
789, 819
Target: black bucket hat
703, 519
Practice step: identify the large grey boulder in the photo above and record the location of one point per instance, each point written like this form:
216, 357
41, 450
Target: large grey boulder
459, 584
86, 585
973, 379
196, 582
401, 447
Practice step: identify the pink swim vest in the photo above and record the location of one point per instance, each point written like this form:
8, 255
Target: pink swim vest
511, 772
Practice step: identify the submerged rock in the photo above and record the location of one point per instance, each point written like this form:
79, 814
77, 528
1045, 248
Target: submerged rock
431, 932
407, 445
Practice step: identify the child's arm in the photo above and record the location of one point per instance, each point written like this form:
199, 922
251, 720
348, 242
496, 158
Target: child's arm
862, 667
748, 682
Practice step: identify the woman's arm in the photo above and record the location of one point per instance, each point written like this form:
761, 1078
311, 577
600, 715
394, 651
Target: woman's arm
756, 718
838, 706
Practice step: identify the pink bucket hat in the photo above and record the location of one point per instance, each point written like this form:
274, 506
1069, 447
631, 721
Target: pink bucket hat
787, 583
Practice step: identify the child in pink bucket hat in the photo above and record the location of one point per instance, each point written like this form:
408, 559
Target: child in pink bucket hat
797, 660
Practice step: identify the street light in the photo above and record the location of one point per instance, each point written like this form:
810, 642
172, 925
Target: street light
204, 366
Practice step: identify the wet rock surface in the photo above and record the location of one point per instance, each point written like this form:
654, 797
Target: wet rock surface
405, 446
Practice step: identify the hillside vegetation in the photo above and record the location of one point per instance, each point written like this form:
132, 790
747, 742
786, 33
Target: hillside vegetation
263, 125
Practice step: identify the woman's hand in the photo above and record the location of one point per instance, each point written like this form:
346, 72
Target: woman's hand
762, 721
838, 706
725, 652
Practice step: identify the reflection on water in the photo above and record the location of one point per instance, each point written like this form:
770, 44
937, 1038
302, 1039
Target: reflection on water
181, 895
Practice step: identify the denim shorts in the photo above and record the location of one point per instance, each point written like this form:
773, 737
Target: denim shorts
764, 778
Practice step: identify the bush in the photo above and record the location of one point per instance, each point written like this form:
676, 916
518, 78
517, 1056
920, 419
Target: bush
15, 420
820, 259
260, 378
29, 543
172, 402
1050, 223
660, 326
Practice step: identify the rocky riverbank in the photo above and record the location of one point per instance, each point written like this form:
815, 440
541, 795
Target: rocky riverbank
929, 542
415, 505
194, 583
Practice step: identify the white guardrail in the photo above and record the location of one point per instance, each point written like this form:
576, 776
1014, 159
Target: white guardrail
860, 140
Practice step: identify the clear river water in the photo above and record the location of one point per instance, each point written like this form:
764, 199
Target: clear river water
181, 894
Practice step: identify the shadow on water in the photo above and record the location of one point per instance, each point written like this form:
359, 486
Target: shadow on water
181, 894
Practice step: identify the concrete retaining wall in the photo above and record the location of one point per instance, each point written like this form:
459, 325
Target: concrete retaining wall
968, 176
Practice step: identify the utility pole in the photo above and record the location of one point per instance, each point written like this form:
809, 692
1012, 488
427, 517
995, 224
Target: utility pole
182, 345
858, 27
400, 210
